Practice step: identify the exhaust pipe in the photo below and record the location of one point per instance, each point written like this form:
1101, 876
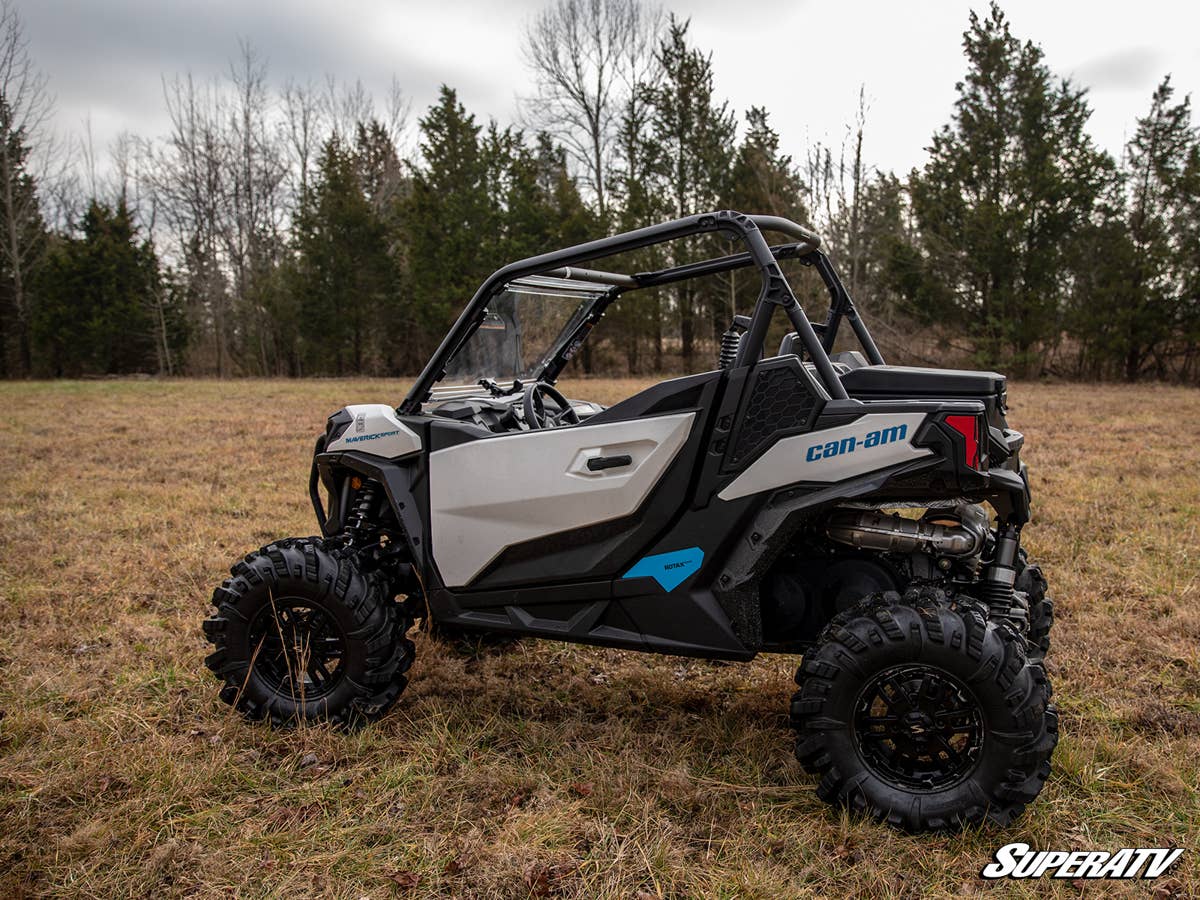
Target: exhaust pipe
870, 529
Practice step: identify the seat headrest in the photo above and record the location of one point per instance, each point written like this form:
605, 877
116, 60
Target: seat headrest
852, 359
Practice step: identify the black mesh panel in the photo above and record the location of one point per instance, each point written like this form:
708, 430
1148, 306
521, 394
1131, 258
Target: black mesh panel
781, 400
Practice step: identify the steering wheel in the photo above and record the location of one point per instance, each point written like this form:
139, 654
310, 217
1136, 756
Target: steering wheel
536, 415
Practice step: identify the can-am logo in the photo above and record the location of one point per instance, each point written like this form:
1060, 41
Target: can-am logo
850, 444
1020, 861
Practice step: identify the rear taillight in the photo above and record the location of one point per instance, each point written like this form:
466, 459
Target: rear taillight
971, 429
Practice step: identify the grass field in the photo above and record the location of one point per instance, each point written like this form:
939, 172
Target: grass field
550, 769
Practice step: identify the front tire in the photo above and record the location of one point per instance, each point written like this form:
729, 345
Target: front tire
922, 713
301, 634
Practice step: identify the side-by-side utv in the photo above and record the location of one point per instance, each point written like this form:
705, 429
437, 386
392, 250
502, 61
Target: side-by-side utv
790, 500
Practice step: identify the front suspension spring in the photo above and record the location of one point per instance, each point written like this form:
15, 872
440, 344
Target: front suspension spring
361, 508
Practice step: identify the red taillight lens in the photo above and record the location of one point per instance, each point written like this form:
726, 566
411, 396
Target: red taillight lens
968, 427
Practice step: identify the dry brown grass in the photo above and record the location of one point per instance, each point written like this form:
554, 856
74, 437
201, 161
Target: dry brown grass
551, 769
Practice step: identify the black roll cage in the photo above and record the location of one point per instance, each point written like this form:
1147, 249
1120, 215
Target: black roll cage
817, 341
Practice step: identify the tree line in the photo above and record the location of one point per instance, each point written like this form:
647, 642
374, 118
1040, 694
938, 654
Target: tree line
315, 230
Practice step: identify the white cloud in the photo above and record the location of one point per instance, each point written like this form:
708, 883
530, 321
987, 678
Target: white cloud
804, 61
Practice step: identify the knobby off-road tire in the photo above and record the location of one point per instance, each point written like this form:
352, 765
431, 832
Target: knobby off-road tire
904, 659
1032, 582
300, 633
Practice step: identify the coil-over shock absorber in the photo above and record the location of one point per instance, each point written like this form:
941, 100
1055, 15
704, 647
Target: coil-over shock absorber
731, 341
378, 541
359, 515
996, 588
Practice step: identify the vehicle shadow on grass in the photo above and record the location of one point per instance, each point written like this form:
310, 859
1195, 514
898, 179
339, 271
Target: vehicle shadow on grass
538, 697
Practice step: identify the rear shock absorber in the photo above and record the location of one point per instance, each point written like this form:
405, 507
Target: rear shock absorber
1000, 577
731, 340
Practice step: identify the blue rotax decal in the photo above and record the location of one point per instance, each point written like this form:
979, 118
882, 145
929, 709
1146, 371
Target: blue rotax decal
670, 570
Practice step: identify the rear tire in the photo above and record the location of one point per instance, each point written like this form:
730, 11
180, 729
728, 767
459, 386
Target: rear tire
922, 713
301, 634
1032, 582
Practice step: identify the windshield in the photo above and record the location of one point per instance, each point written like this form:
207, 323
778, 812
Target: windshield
525, 326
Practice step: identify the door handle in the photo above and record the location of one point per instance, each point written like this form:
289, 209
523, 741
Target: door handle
599, 463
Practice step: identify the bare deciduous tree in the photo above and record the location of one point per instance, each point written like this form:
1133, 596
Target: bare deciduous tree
252, 223
835, 187
191, 181
229, 180
130, 183
345, 106
303, 124
587, 57
397, 114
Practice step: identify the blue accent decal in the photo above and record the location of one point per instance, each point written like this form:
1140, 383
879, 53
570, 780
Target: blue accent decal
669, 569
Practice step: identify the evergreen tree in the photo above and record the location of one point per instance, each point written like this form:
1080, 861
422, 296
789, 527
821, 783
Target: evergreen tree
636, 182
1144, 296
22, 243
694, 135
1098, 300
98, 293
762, 180
451, 219
543, 209
636, 175
386, 187
1009, 184
343, 271
380, 171
479, 199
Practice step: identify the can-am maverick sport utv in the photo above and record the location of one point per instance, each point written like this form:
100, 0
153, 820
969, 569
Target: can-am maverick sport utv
719, 515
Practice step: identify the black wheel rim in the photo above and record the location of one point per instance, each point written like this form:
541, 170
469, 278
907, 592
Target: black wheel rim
918, 727
298, 649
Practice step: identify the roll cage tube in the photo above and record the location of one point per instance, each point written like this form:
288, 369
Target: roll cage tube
575, 340
775, 289
842, 306
714, 266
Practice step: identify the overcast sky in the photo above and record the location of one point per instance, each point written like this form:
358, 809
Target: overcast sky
803, 60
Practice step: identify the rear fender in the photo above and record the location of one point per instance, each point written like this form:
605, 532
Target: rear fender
935, 470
